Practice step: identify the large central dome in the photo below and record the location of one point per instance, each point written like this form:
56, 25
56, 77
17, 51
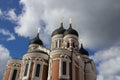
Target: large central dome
60, 30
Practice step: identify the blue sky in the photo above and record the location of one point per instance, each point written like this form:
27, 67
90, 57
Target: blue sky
97, 22
12, 45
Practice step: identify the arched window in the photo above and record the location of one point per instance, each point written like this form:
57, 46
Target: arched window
37, 73
14, 74
68, 44
26, 69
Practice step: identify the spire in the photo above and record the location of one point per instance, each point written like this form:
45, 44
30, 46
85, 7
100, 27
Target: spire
81, 42
70, 22
36, 40
61, 21
38, 30
38, 33
81, 45
83, 51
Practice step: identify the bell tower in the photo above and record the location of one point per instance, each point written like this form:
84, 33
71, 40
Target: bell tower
35, 61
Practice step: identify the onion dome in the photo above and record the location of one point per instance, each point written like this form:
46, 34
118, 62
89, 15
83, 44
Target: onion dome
60, 30
36, 40
83, 51
71, 31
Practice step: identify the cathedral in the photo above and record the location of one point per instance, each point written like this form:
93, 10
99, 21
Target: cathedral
66, 59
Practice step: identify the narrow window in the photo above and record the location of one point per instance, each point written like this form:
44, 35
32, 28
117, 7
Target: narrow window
26, 70
68, 45
60, 43
64, 68
56, 45
37, 70
14, 74
73, 44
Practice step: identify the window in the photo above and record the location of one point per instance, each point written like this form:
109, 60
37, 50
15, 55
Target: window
56, 44
73, 44
68, 45
64, 68
14, 74
37, 70
60, 43
26, 70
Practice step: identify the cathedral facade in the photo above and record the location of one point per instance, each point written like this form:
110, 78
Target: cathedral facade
63, 61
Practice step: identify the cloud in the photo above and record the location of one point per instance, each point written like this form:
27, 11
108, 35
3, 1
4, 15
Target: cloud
11, 15
29, 20
7, 33
0, 12
108, 63
96, 21
4, 56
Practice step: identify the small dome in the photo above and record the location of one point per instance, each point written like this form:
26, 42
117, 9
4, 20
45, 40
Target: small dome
60, 30
83, 51
71, 31
36, 40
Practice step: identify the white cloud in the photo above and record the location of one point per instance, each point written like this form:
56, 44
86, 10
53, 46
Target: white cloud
11, 15
0, 12
4, 56
30, 18
7, 33
94, 20
108, 63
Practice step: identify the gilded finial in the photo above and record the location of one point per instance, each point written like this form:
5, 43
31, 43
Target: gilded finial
61, 19
70, 20
81, 41
38, 30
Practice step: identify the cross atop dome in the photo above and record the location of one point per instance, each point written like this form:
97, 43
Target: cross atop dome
38, 30
70, 20
61, 19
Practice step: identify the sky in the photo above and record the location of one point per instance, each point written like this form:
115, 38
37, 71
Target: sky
97, 22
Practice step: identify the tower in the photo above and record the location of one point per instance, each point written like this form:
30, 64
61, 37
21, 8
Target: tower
65, 59
89, 67
35, 61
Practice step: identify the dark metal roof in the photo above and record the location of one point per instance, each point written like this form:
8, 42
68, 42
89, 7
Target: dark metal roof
36, 40
60, 30
83, 51
71, 31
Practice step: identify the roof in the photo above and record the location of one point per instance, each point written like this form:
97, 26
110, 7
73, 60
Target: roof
70, 30
36, 40
60, 30
83, 51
